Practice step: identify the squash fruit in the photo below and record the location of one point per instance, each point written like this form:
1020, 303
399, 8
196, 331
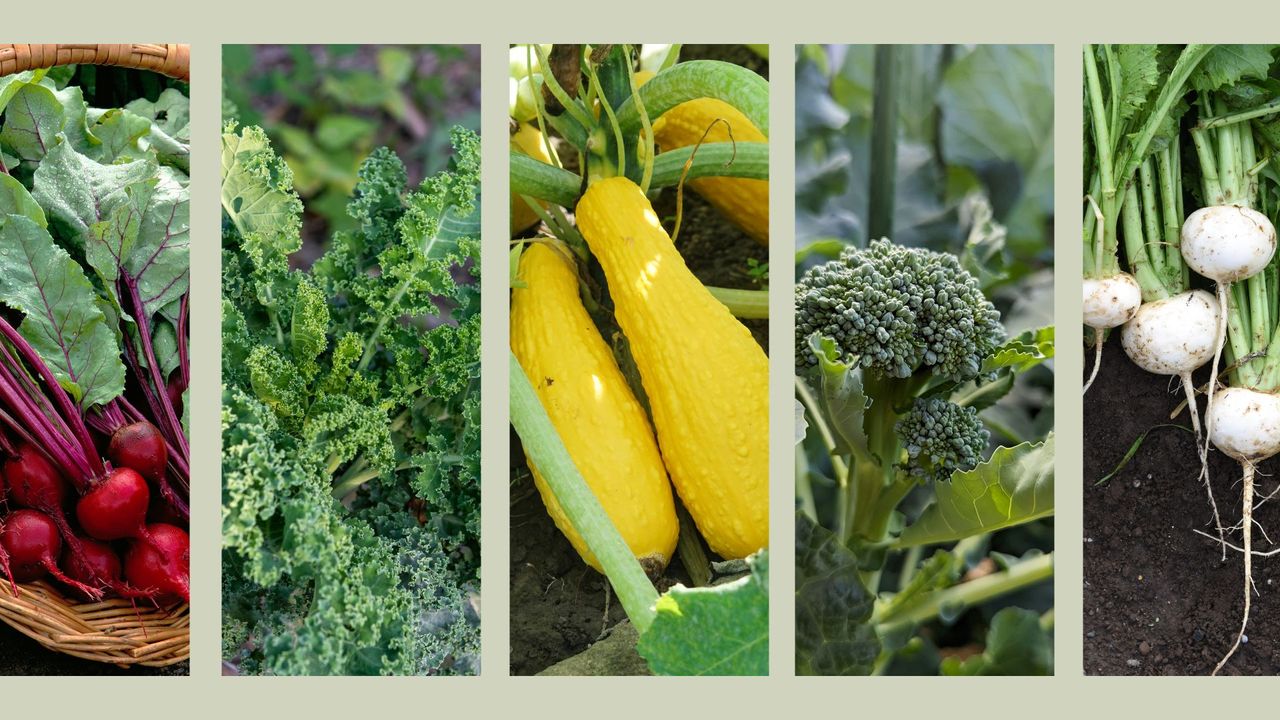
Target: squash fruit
599, 419
527, 140
706, 377
744, 201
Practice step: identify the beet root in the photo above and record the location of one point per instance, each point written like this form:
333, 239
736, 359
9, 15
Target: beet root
33, 541
161, 563
140, 447
100, 566
116, 507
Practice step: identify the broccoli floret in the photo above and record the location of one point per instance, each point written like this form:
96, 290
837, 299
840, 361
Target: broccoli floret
898, 309
940, 437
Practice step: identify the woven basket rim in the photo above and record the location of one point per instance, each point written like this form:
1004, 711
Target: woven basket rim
169, 59
109, 631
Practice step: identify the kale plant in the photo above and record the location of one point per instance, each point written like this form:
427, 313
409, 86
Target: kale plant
351, 421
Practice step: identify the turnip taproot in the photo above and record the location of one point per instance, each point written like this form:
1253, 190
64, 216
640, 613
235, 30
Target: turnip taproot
1246, 426
32, 540
161, 563
1226, 243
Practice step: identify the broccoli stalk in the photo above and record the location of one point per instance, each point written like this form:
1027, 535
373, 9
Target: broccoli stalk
916, 325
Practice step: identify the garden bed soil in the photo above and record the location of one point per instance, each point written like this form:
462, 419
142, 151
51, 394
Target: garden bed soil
1158, 598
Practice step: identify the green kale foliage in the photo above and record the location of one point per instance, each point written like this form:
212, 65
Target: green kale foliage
351, 421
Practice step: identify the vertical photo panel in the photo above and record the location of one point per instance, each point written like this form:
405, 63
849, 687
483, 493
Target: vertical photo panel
351, 363
94, 359
639, 379
1181, 293
924, 374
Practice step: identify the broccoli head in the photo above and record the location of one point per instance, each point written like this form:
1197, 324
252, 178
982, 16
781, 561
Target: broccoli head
940, 437
896, 309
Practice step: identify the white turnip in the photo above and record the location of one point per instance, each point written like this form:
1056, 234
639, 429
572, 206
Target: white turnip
1246, 426
1109, 302
1175, 336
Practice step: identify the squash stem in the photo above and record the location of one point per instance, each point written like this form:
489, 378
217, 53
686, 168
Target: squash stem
745, 304
547, 452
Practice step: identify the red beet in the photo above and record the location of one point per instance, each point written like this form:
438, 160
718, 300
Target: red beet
36, 484
32, 541
161, 563
116, 507
4, 566
98, 566
140, 447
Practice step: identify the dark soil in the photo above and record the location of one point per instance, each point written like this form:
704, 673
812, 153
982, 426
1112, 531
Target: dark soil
557, 600
1158, 599
20, 655
558, 603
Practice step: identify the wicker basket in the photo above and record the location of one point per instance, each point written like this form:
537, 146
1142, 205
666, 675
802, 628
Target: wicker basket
171, 60
110, 631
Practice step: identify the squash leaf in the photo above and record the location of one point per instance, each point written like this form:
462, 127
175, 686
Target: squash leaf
717, 630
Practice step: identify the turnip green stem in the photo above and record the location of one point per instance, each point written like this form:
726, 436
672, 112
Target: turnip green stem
546, 451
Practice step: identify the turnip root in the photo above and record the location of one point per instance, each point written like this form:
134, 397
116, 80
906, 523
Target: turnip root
1225, 243
1175, 336
1245, 424
1108, 303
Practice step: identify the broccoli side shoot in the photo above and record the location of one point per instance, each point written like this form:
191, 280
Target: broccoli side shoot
896, 310
940, 438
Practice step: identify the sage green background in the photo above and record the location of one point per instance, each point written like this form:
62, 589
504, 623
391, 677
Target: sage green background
495, 24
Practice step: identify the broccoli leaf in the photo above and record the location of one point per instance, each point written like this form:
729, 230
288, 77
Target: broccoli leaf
1016, 645
834, 634
842, 396
1015, 486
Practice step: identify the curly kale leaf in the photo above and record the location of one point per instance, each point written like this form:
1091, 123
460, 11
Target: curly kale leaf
351, 421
